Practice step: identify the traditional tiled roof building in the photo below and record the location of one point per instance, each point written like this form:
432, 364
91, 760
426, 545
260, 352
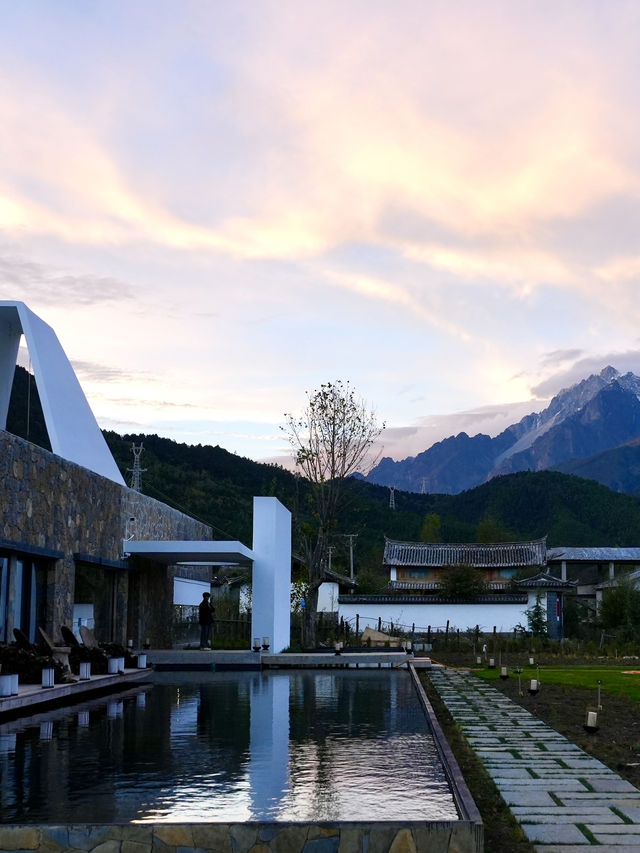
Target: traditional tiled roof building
420, 565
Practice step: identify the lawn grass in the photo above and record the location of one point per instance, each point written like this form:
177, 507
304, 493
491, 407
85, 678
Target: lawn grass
615, 680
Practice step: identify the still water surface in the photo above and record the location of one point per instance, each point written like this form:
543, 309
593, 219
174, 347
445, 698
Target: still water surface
289, 746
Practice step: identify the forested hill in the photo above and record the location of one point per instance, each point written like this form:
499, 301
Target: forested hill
218, 487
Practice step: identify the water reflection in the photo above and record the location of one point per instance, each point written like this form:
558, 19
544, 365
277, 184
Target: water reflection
288, 746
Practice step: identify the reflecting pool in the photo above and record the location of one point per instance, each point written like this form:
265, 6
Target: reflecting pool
285, 746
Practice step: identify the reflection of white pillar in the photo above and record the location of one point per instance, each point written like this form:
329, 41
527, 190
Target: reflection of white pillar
269, 745
271, 594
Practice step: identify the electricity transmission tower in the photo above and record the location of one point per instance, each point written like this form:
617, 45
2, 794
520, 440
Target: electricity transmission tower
136, 472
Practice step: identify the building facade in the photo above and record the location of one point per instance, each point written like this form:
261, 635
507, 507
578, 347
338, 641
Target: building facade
61, 550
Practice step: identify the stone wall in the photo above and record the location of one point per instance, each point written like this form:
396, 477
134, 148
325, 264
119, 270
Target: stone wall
376, 837
50, 504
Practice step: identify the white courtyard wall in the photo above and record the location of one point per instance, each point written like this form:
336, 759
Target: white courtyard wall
504, 617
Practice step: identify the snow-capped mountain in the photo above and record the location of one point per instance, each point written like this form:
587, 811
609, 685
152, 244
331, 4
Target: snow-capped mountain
598, 414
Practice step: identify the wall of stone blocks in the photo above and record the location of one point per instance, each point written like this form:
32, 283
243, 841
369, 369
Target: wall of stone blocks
49, 503
375, 837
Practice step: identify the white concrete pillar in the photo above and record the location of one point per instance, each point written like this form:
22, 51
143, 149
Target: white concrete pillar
271, 593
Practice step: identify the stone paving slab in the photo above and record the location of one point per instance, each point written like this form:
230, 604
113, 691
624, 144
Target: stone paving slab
564, 799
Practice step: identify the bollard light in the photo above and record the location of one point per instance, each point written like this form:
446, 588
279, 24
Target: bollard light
531, 661
142, 661
112, 666
5, 685
408, 649
256, 644
265, 644
478, 660
85, 670
492, 663
534, 687
47, 676
338, 647
590, 724
504, 673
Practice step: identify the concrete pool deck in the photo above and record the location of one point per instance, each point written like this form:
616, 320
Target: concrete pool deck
564, 799
212, 659
33, 697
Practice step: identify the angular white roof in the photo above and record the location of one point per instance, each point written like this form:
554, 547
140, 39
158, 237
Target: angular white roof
73, 431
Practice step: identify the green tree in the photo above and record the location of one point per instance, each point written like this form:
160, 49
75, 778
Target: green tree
432, 528
331, 440
620, 609
462, 583
537, 618
492, 529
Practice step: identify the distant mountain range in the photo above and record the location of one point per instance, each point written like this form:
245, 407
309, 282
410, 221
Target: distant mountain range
591, 430
218, 487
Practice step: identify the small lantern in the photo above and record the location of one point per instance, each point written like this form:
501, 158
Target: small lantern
492, 663
256, 644
590, 724
85, 670
408, 649
531, 662
112, 666
265, 644
5, 685
338, 648
534, 687
478, 659
142, 661
504, 673
48, 674
129, 644
146, 644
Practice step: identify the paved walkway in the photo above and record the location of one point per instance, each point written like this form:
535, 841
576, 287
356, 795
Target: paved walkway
565, 799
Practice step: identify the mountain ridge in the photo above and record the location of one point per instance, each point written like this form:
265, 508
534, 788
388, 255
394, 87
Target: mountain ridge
597, 414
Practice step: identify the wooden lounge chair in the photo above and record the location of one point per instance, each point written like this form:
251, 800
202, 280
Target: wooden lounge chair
59, 653
69, 637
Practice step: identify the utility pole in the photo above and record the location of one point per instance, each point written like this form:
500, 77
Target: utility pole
351, 537
392, 497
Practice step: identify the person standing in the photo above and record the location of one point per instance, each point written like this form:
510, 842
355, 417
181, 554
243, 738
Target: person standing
205, 618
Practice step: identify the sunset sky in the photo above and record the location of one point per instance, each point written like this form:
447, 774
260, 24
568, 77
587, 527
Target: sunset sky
220, 205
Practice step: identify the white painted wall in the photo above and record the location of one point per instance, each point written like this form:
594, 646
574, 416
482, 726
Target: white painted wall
328, 593
187, 591
271, 586
461, 616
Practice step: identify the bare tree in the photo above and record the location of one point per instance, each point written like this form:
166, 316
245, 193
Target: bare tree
331, 440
